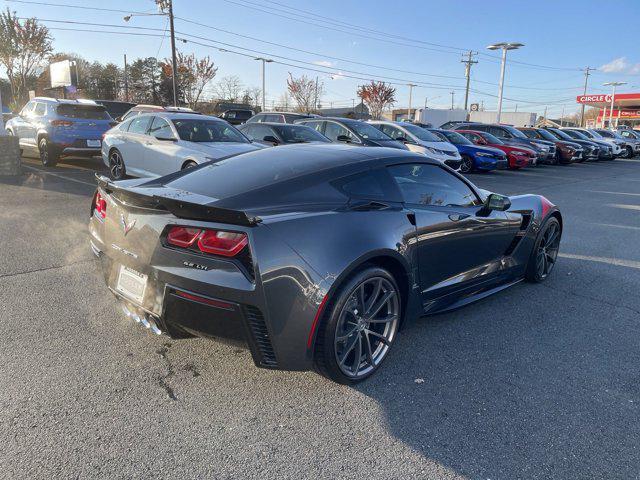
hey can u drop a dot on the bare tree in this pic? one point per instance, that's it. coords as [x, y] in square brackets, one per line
[229, 88]
[193, 75]
[252, 96]
[377, 96]
[305, 92]
[23, 48]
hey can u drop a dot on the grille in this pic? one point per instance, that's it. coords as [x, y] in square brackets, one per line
[261, 336]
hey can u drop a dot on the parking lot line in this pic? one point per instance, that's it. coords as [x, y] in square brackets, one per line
[58, 175]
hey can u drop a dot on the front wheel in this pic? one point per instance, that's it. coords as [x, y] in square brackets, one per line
[359, 326]
[467, 164]
[48, 155]
[545, 251]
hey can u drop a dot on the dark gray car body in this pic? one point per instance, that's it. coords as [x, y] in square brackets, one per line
[306, 235]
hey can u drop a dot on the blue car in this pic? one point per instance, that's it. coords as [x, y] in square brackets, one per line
[473, 156]
[56, 128]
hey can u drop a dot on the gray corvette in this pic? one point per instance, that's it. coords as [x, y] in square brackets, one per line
[314, 256]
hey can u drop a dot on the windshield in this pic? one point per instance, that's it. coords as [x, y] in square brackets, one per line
[367, 131]
[455, 138]
[492, 139]
[87, 112]
[576, 135]
[547, 135]
[514, 131]
[207, 131]
[420, 133]
[299, 134]
[561, 134]
[593, 134]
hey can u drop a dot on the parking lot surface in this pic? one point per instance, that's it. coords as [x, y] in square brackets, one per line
[538, 381]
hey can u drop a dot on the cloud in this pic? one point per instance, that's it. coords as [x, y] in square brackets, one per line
[635, 69]
[616, 65]
[337, 76]
[324, 63]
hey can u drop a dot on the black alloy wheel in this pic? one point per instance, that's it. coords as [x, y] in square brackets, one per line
[117, 169]
[466, 165]
[360, 326]
[189, 164]
[48, 156]
[545, 252]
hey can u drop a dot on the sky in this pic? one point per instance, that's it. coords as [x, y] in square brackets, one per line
[412, 41]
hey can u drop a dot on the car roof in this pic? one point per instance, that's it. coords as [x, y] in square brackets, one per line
[275, 124]
[181, 116]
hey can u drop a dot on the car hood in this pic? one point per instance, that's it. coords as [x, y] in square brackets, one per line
[516, 148]
[444, 146]
[477, 149]
[222, 149]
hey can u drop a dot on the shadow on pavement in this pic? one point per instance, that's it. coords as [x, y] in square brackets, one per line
[532, 383]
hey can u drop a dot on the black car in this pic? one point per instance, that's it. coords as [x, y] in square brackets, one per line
[512, 136]
[116, 108]
[237, 116]
[591, 150]
[451, 125]
[606, 150]
[354, 132]
[566, 152]
[314, 255]
[273, 134]
[278, 117]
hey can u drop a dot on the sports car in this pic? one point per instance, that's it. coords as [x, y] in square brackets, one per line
[314, 256]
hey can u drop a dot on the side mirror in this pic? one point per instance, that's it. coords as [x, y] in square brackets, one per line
[271, 139]
[402, 139]
[497, 202]
[343, 138]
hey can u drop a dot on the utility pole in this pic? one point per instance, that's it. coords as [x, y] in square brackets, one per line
[562, 117]
[126, 79]
[545, 115]
[174, 61]
[452, 96]
[467, 73]
[410, 85]
[315, 101]
[2, 130]
[586, 79]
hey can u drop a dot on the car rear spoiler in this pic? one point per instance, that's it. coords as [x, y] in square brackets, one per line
[181, 208]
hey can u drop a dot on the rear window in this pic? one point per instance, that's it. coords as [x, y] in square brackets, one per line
[88, 112]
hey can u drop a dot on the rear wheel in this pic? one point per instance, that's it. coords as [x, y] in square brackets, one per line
[545, 251]
[467, 164]
[359, 327]
[629, 152]
[117, 169]
[48, 155]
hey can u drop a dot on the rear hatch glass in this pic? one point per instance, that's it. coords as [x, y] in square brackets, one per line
[83, 112]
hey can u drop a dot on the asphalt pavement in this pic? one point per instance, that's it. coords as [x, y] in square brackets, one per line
[538, 381]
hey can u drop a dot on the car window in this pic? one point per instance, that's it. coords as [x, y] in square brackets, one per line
[473, 137]
[530, 133]
[40, 109]
[27, 108]
[334, 130]
[299, 134]
[204, 130]
[316, 125]
[606, 134]
[139, 125]
[366, 131]
[272, 118]
[420, 133]
[498, 132]
[258, 132]
[86, 112]
[160, 128]
[369, 185]
[430, 185]
[292, 118]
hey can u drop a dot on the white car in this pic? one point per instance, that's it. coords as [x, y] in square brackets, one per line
[592, 134]
[156, 144]
[419, 140]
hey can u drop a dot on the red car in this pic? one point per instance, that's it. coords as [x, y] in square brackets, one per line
[518, 157]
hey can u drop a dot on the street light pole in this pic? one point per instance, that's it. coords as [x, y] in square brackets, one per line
[268, 60]
[504, 47]
[613, 97]
[410, 85]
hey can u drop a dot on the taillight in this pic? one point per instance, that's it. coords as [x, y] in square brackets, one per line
[215, 242]
[101, 206]
[61, 123]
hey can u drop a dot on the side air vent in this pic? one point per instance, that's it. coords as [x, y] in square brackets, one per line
[526, 221]
[261, 336]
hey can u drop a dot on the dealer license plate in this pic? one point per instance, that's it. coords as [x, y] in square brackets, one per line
[131, 284]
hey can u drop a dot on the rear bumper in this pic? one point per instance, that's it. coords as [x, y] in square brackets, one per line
[80, 152]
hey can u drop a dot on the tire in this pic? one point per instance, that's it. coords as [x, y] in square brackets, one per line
[189, 164]
[629, 153]
[545, 251]
[341, 352]
[117, 168]
[467, 164]
[48, 155]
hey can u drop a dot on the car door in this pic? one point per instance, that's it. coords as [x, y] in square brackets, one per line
[35, 121]
[132, 147]
[460, 246]
[20, 122]
[333, 130]
[161, 148]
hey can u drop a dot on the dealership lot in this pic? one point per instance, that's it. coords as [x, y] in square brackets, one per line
[538, 381]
